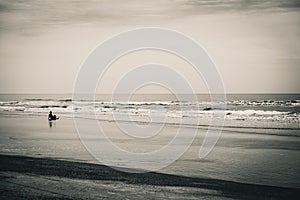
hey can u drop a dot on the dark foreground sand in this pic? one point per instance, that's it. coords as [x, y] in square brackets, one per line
[46, 178]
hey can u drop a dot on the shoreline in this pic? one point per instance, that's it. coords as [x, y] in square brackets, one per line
[204, 127]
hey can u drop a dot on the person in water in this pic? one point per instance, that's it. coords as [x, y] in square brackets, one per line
[52, 117]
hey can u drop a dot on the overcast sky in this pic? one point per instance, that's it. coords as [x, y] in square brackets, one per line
[255, 44]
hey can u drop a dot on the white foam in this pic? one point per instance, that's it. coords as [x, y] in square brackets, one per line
[169, 109]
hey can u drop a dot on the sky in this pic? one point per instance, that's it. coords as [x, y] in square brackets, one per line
[254, 44]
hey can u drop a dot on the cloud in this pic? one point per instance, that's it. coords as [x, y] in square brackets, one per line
[242, 5]
[32, 15]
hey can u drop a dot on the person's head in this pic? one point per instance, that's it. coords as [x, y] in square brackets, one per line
[50, 112]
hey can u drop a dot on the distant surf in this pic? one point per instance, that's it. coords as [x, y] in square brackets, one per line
[264, 111]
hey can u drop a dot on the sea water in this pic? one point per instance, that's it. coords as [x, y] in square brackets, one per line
[267, 111]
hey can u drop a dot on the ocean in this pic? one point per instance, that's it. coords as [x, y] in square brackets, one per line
[266, 111]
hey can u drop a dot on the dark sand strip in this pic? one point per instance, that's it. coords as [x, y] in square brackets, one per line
[50, 178]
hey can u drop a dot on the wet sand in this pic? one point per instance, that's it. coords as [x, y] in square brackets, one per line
[38, 178]
[41, 162]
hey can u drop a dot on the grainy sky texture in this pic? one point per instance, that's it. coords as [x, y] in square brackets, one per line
[255, 44]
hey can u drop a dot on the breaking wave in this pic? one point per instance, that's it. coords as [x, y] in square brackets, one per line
[269, 110]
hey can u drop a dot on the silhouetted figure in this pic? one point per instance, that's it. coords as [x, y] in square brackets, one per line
[52, 117]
